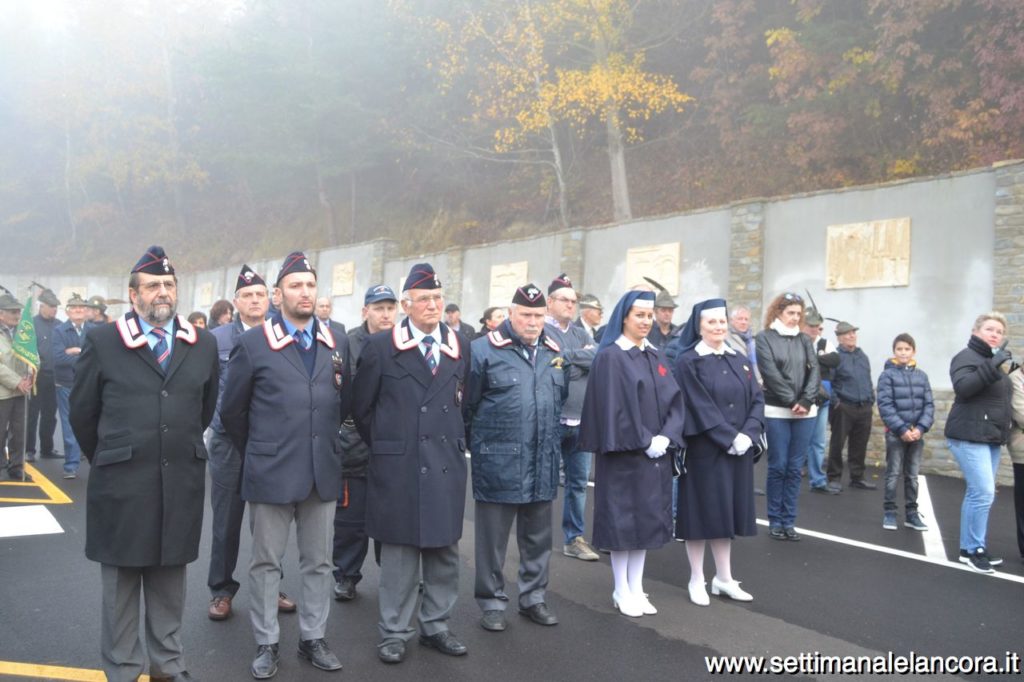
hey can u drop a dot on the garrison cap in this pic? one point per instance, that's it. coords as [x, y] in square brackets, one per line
[295, 261]
[529, 296]
[247, 278]
[422, 276]
[154, 262]
[560, 282]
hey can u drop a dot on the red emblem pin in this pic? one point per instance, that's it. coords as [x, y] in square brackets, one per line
[661, 369]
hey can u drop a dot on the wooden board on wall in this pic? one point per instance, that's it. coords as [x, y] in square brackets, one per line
[870, 254]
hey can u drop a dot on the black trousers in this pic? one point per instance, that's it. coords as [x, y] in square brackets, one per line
[849, 423]
[12, 425]
[1018, 504]
[350, 540]
[42, 415]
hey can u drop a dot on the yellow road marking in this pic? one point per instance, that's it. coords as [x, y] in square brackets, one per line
[54, 495]
[55, 672]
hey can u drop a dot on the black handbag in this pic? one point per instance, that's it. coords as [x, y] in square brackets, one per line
[760, 447]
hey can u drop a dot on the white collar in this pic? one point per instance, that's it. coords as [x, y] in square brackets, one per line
[783, 329]
[418, 334]
[704, 349]
[625, 344]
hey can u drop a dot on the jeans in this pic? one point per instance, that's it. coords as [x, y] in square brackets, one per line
[72, 453]
[978, 462]
[576, 465]
[788, 441]
[816, 452]
[905, 458]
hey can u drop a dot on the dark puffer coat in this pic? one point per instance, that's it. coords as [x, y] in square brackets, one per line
[905, 398]
[981, 408]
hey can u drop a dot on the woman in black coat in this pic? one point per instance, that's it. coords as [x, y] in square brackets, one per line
[632, 416]
[724, 418]
[978, 424]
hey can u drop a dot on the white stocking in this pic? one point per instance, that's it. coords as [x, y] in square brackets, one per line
[620, 571]
[695, 553]
[721, 549]
[636, 571]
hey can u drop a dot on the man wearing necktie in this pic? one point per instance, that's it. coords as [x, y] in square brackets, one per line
[140, 423]
[286, 394]
[408, 407]
[67, 348]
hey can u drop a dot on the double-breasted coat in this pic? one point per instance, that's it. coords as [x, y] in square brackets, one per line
[413, 422]
[283, 418]
[142, 431]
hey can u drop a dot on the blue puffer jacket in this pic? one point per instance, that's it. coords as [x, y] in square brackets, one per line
[905, 398]
[514, 407]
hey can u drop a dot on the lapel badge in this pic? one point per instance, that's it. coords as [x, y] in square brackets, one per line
[337, 364]
[557, 362]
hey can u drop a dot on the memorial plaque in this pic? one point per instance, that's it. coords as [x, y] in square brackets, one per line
[871, 254]
[343, 277]
[505, 279]
[660, 262]
[204, 295]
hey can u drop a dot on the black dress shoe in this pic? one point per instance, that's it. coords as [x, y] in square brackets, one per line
[51, 455]
[834, 488]
[445, 642]
[493, 621]
[540, 614]
[391, 651]
[791, 534]
[777, 534]
[264, 666]
[345, 590]
[863, 485]
[319, 654]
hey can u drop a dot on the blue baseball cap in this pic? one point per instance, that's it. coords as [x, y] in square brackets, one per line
[380, 292]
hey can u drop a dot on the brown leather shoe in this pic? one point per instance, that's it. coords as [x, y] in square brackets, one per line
[220, 608]
[284, 604]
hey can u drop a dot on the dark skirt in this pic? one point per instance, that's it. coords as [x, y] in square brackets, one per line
[632, 501]
[716, 495]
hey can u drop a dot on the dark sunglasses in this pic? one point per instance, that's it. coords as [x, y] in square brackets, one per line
[792, 297]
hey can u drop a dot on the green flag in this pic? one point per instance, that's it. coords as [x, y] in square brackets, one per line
[25, 338]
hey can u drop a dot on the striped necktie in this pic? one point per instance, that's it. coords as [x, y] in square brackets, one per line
[428, 353]
[161, 349]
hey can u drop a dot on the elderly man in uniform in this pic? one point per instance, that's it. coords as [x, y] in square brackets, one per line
[66, 347]
[591, 313]
[42, 408]
[516, 391]
[15, 384]
[350, 540]
[145, 389]
[251, 302]
[284, 400]
[578, 351]
[853, 395]
[409, 394]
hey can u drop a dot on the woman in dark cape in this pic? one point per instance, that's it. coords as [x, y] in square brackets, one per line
[632, 416]
[724, 418]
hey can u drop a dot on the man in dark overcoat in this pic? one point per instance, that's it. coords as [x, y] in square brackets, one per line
[408, 406]
[251, 302]
[517, 386]
[144, 390]
[284, 400]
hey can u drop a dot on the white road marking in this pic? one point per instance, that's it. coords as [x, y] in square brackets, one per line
[899, 552]
[932, 537]
[34, 519]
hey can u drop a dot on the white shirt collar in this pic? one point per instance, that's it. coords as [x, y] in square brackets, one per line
[625, 344]
[418, 334]
[704, 349]
[783, 329]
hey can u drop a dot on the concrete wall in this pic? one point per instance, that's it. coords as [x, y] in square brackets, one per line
[543, 254]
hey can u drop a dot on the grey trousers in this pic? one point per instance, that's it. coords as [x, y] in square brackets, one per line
[399, 581]
[493, 524]
[314, 531]
[163, 590]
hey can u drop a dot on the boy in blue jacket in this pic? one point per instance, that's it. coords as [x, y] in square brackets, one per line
[906, 406]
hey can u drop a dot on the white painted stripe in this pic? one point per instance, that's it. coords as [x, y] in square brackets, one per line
[900, 553]
[933, 546]
[33, 519]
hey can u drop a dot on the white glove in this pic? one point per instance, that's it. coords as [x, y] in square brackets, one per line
[658, 446]
[740, 444]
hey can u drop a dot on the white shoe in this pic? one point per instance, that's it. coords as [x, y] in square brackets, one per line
[698, 595]
[627, 606]
[731, 589]
[646, 605]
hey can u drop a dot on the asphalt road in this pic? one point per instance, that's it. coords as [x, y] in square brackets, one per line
[840, 594]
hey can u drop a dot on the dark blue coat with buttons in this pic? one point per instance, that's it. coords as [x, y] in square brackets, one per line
[413, 422]
[514, 408]
[283, 418]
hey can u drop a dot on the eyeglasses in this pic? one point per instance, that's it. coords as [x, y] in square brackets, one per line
[153, 287]
[427, 299]
[563, 299]
[792, 297]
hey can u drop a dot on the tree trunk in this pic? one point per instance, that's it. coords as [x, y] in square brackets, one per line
[332, 236]
[617, 159]
[172, 126]
[563, 194]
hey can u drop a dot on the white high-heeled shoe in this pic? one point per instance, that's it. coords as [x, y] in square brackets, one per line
[627, 605]
[698, 595]
[731, 589]
[646, 605]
